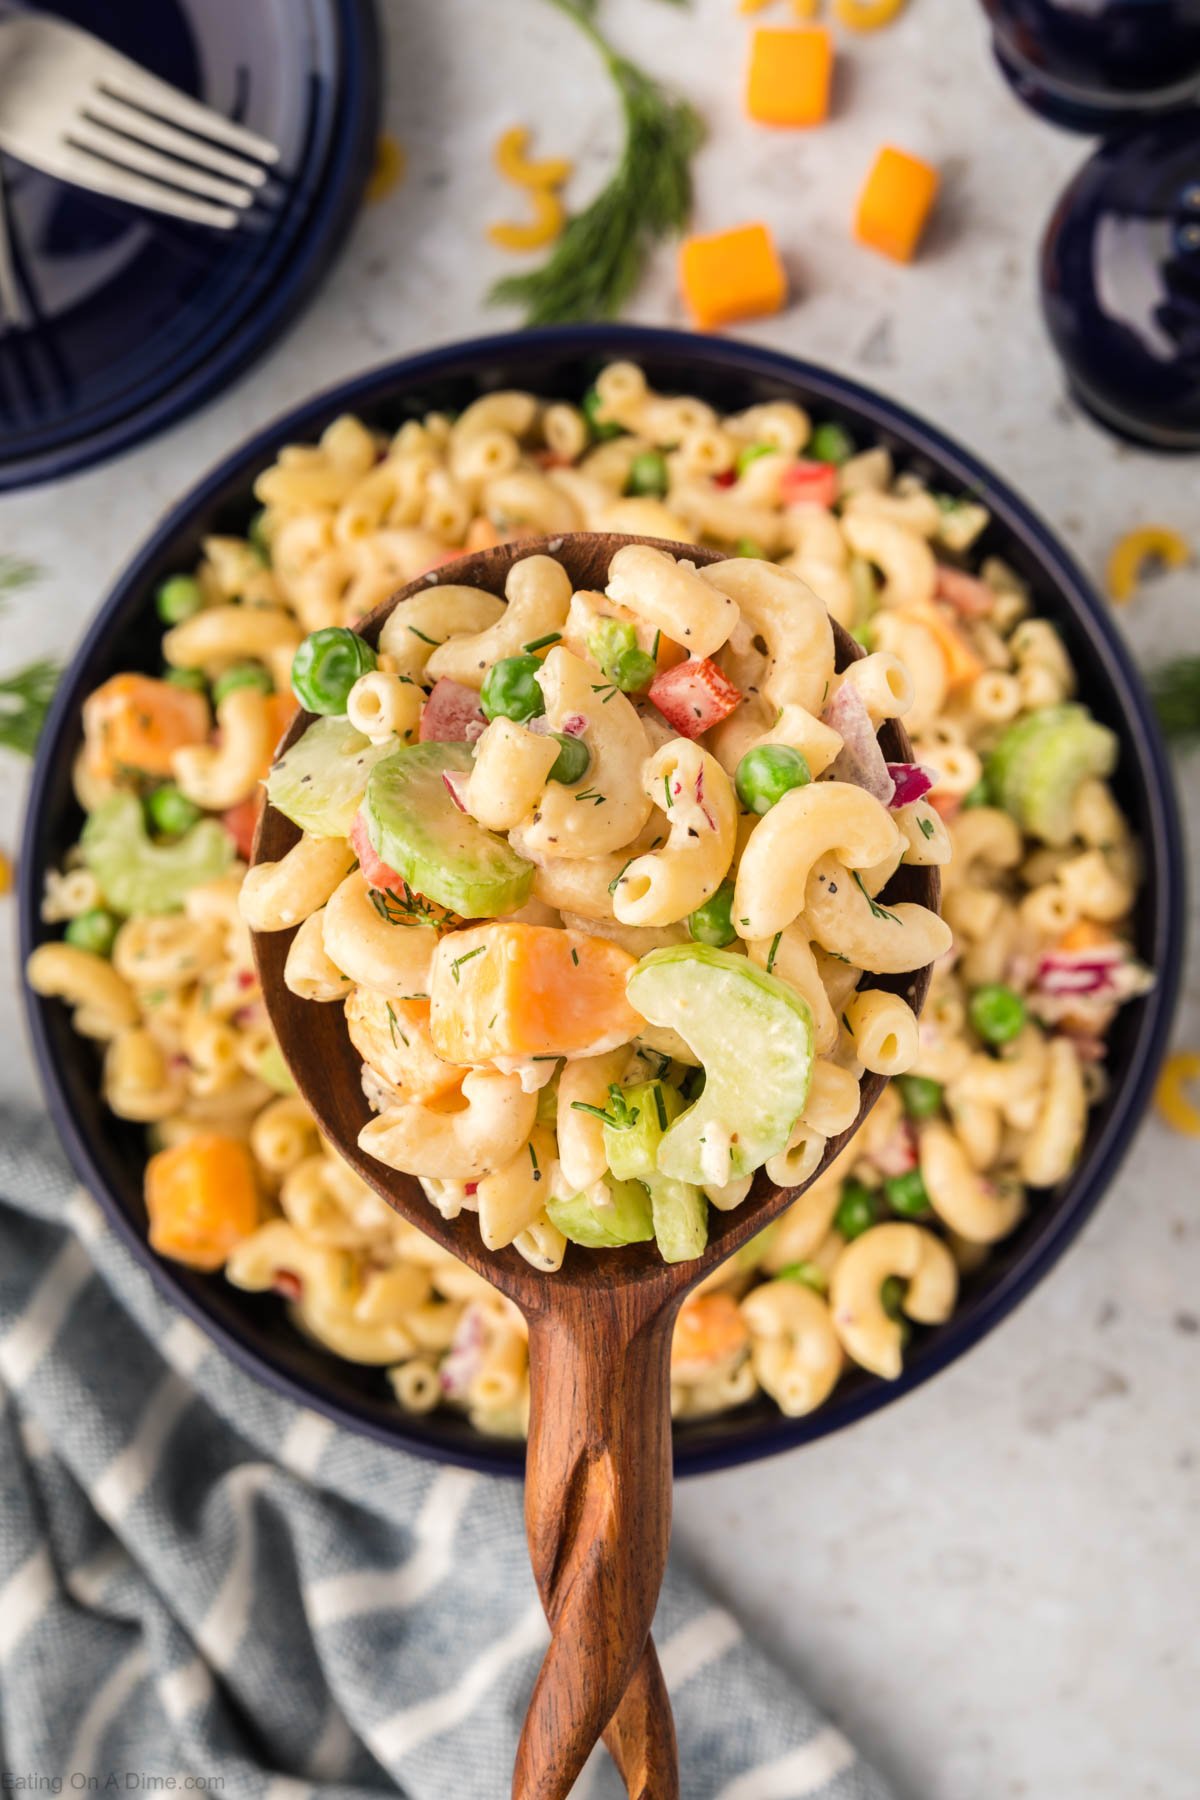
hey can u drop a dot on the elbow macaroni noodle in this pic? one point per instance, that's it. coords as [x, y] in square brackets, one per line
[186, 1047]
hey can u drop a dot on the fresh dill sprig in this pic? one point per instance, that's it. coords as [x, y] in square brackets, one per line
[15, 573]
[1176, 690]
[24, 702]
[596, 263]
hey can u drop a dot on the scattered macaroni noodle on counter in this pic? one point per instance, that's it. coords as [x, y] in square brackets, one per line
[699, 702]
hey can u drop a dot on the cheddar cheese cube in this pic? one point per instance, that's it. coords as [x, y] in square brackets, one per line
[790, 75]
[392, 1035]
[731, 275]
[524, 991]
[895, 203]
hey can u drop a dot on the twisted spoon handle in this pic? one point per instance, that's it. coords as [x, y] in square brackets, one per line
[598, 1518]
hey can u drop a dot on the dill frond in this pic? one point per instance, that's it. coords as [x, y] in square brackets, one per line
[596, 263]
[24, 702]
[1176, 691]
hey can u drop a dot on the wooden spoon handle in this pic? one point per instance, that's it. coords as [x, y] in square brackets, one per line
[598, 1517]
[641, 1734]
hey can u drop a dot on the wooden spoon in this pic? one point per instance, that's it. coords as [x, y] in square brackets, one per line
[598, 1468]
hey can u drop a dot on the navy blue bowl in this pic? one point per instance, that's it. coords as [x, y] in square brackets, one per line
[109, 1155]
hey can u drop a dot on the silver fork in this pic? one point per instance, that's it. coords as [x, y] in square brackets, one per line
[74, 108]
[12, 310]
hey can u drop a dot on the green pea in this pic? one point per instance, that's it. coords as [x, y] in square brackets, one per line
[978, 795]
[326, 667]
[634, 670]
[573, 761]
[258, 537]
[93, 930]
[245, 674]
[748, 547]
[712, 923]
[767, 773]
[194, 680]
[830, 443]
[613, 643]
[600, 429]
[170, 811]
[997, 1013]
[178, 599]
[510, 689]
[648, 474]
[864, 634]
[863, 586]
[906, 1195]
[857, 1210]
[751, 454]
[922, 1098]
[808, 1274]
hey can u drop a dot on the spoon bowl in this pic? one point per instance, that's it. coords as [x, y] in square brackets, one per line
[598, 1470]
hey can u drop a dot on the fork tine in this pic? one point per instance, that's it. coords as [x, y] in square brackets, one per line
[142, 89]
[145, 130]
[74, 164]
[121, 150]
[11, 307]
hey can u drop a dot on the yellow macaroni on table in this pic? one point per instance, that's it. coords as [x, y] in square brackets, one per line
[1010, 797]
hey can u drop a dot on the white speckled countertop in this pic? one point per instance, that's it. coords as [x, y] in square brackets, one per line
[992, 1586]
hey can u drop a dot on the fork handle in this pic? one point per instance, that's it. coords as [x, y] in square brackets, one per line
[598, 1518]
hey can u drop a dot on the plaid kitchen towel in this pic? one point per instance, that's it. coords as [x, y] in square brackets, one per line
[205, 1587]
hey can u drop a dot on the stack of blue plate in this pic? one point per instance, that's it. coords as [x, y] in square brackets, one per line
[137, 319]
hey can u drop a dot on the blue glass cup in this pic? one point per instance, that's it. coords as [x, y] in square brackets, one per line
[1097, 65]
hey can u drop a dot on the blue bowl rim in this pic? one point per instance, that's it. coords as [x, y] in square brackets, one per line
[1161, 833]
[350, 160]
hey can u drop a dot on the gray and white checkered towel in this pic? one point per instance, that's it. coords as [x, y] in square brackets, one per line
[206, 1587]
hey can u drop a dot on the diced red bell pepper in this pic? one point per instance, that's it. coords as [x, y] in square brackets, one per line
[694, 696]
[376, 872]
[725, 479]
[241, 822]
[947, 805]
[973, 598]
[807, 483]
[451, 715]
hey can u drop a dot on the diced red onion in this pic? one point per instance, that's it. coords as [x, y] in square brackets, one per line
[575, 724]
[1093, 974]
[456, 786]
[860, 761]
[897, 1155]
[969, 596]
[464, 1358]
[710, 821]
[912, 782]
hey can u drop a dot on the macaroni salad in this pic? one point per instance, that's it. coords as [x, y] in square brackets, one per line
[709, 692]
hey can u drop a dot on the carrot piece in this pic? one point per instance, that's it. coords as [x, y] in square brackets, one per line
[241, 822]
[1085, 934]
[201, 1199]
[135, 723]
[481, 534]
[962, 664]
[790, 74]
[895, 203]
[709, 1333]
[731, 275]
